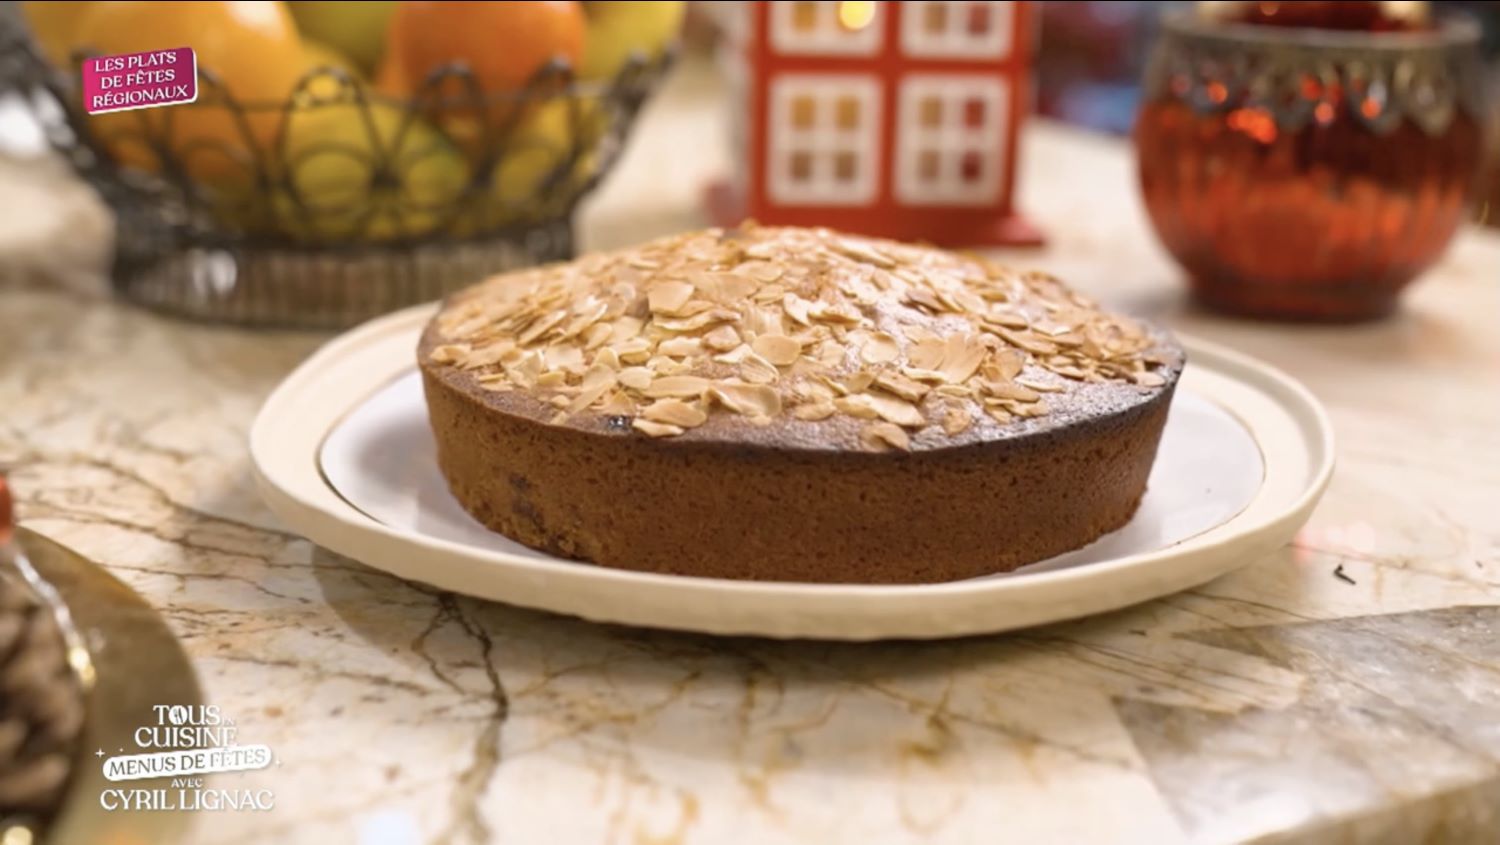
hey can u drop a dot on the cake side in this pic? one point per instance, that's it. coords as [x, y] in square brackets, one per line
[746, 511]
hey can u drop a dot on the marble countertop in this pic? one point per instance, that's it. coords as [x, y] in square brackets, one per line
[1345, 687]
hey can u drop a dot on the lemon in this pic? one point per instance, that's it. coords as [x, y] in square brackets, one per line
[357, 29]
[533, 179]
[365, 172]
[618, 30]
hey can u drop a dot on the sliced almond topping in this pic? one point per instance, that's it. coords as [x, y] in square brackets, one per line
[726, 288]
[699, 320]
[487, 355]
[780, 350]
[962, 355]
[677, 386]
[625, 328]
[654, 428]
[1039, 386]
[617, 404]
[722, 339]
[769, 294]
[927, 354]
[541, 326]
[669, 297]
[859, 382]
[863, 251]
[680, 347]
[527, 368]
[599, 375]
[856, 405]
[956, 420]
[833, 313]
[757, 370]
[633, 351]
[636, 378]
[607, 357]
[925, 299]
[814, 411]
[449, 353]
[596, 383]
[1009, 363]
[918, 334]
[932, 376]
[830, 353]
[752, 400]
[883, 436]
[586, 316]
[796, 307]
[794, 314]
[761, 271]
[1011, 390]
[664, 366]
[898, 411]
[1024, 340]
[908, 389]
[880, 348]
[813, 391]
[562, 356]
[735, 355]
[597, 335]
[1006, 319]
[676, 412]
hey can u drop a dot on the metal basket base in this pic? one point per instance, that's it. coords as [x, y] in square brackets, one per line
[321, 288]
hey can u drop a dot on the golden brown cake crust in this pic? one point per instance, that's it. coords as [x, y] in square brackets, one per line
[1061, 413]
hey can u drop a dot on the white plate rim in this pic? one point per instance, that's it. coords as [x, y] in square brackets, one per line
[295, 419]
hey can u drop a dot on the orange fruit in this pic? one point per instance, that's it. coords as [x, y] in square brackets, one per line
[390, 74]
[251, 46]
[53, 26]
[503, 43]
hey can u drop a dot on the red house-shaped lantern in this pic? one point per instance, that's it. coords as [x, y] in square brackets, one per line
[896, 119]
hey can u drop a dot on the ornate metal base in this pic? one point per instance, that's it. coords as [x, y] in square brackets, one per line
[318, 288]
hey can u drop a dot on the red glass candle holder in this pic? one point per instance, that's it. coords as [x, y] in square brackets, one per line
[1306, 173]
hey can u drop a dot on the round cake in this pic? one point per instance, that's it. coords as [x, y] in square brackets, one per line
[794, 404]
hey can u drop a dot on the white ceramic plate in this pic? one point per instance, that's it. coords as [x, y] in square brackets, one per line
[343, 455]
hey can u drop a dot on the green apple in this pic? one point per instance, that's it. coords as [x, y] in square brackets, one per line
[618, 30]
[356, 29]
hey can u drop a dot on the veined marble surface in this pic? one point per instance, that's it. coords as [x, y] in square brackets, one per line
[1345, 688]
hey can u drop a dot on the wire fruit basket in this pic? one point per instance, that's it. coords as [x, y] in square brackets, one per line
[341, 202]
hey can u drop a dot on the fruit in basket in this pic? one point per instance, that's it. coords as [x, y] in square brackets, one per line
[390, 77]
[365, 172]
[54, 26]
[544, 163]
[619, 30]
[315, 82]
[355, 29]
[253, 49]
[502, 43]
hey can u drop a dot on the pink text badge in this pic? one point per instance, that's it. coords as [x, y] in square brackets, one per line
[140, 80]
